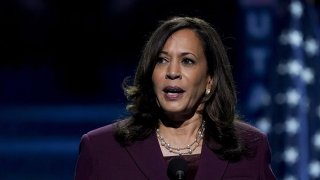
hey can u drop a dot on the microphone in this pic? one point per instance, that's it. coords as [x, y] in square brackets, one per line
[177, 168]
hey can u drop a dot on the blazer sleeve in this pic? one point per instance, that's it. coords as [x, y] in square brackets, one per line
[84, 166]
[266, 170]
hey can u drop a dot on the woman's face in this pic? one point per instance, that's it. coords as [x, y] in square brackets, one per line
[180, 76]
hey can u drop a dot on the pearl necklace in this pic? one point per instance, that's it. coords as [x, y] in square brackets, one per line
[187, 149]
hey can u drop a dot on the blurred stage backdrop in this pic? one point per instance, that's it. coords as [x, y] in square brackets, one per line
[62, 64]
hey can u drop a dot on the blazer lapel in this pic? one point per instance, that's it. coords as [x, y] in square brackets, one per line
[210, 166]
[148, 157]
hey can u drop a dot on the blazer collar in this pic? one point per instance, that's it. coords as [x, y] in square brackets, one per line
[148, 157]
[210, 166]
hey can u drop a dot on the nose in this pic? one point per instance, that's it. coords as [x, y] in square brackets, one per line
[173, 71]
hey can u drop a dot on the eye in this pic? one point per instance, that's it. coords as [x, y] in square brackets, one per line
[162, 60]
[188, 61]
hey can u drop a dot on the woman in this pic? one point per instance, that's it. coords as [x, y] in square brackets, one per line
[182, 104]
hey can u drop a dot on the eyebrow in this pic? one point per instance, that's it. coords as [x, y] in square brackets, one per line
[183, 54]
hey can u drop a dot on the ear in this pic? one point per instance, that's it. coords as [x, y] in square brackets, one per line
[209, 82]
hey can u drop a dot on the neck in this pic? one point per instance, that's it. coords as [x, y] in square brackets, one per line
[180, 135]
[180, 129]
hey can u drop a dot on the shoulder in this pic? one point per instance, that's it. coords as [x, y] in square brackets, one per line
[102, 137]
[98, 152]
[257, 155]
[253, 139]
[103, 131]
[248, 132]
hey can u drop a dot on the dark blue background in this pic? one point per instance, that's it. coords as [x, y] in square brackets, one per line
[62, 64]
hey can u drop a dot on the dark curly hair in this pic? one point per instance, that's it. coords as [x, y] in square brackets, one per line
[219, 106]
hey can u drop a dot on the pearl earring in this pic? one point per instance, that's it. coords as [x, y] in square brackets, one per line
[208, 91]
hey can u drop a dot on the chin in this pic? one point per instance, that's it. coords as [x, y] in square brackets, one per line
[174, 110]
[171, 110]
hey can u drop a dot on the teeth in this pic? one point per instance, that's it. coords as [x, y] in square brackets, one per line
[173, 90]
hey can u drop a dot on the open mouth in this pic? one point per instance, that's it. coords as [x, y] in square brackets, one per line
[173, 93]
[173, 89]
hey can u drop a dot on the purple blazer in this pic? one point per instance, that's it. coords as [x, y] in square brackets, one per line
[101, 157]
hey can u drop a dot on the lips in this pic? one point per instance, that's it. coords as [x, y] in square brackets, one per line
[173, 92]
[173, 89]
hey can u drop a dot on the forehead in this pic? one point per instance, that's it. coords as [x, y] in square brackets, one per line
[186, 38]
[185, 33]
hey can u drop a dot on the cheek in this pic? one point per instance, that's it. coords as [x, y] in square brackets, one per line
[198, 81]
[156, 80]
[200, 86]
[154, 77]
[158, 74]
